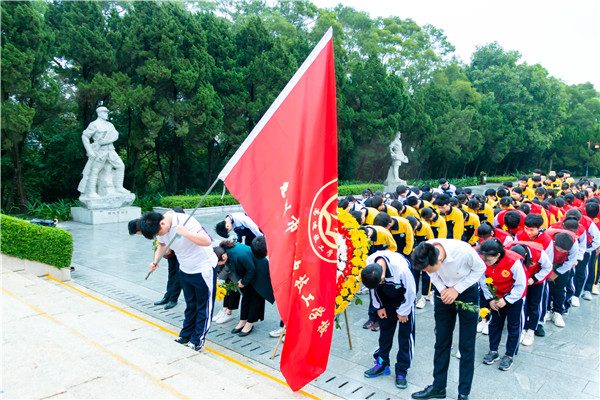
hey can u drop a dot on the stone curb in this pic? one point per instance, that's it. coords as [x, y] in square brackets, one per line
[35, 267]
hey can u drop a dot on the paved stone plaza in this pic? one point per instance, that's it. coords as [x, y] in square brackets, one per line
[564, 364]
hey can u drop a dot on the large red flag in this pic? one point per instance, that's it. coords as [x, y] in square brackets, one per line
[285, 177]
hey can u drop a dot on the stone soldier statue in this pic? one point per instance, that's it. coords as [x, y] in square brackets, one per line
[398, 157]
[104, 171]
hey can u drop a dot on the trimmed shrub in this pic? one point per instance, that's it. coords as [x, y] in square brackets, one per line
[501, 179]
[191, 201]
[356, 189]
[22, 239]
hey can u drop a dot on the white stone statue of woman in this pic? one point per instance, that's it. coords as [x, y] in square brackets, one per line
[398, 157]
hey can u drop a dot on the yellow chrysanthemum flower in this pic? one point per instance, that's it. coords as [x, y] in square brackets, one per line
[338, 300]
[489, 281]
[344, 292]
[484, 312]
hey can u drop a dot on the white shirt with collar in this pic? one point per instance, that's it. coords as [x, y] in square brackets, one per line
[461, 268]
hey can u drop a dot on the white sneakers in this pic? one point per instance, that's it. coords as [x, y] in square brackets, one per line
[219, 315]
[558, 320]
[548, 316]
[575, 301]
[527, 338]
[482, 324]
[595, 290]
[362, 290]
[276, 333]
[222, 317]
[421, 302]
[586, 296]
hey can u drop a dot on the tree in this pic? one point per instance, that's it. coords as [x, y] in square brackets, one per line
[531, 103]
[377, 99]
[29, 91]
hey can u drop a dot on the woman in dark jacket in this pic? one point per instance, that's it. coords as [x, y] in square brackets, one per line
[253, 279]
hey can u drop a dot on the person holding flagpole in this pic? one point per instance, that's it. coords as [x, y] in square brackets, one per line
[197, 269]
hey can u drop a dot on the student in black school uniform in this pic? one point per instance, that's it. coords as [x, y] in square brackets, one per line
[381, 239]
[392, 291]
[454, 268]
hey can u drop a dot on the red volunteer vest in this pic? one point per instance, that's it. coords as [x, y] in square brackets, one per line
[501, 273]
[501, 215]
[560, 258]
[536, 250]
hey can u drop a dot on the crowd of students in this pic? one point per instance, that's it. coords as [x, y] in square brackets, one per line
[537, 244]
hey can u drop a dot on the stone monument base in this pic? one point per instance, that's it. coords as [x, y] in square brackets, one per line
[105, 216]
[108, 201]
[390, 186]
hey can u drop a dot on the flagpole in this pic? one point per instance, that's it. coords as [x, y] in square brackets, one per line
[187, 219]
[278, 342]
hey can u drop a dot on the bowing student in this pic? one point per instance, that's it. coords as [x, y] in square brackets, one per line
[505, 270]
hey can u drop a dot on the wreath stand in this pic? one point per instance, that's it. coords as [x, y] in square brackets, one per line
[348, 329]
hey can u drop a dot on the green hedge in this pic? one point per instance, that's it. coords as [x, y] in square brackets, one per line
[190, 201]
[345, 190]
[22, 239]
[501, 179]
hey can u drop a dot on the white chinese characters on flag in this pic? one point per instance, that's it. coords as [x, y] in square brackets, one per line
[285, 177]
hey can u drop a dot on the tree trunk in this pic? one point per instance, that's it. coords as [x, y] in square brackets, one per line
[160, 167]
[475, 173]
[211, 154]
[17, 185]
[360, 167]
[175, 165]
[134, 169]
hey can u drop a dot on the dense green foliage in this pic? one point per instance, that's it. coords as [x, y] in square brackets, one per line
[356, 189]
[60, 209]
[19, 238]
[191, 201]
[187, 82]
[502, 179]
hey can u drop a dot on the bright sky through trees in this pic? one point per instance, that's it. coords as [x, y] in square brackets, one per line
[562, 36]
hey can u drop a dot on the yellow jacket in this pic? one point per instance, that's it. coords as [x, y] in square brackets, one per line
[455, 223]
[403, 234]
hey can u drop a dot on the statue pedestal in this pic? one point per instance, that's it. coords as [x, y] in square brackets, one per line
[391, 185]
[108, 202]
[105, 216]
